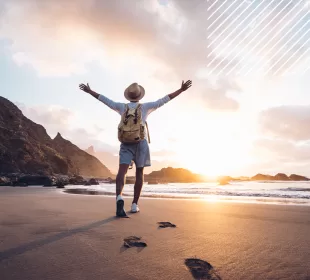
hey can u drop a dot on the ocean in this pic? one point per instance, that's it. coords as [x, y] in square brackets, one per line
[271, 192]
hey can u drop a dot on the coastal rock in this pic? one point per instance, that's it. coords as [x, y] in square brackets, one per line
[224, 180]
[19, 185]
[295, 177]
[173, 175]
[281, 177]
[33, 180]
[60, 185]
[76, 180]
[261, 177]
[5, 181]
[151, 181]
[130, 180]
[61, 182]
[25, 147]
[93, 182]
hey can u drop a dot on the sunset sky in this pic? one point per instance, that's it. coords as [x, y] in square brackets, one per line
[248, 110]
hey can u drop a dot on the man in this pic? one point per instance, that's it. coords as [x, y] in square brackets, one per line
[139, 152]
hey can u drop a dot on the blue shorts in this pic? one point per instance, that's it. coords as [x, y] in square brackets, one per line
[139, 153]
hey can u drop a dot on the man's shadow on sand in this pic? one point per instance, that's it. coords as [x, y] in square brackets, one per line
[7, 254]
[201, 269]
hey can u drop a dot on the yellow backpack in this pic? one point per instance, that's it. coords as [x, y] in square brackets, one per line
[131, 128]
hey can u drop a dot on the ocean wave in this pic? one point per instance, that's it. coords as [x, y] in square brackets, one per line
[296, 189]
[89, 191]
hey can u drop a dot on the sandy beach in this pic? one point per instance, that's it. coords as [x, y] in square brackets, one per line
[47, 234]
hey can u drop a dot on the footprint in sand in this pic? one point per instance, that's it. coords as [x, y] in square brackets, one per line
[134, 241]
[201, 269]
[166, 224]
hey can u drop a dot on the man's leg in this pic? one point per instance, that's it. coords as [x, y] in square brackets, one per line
[120, 178]
[141, 159]
[138, 184]
[120, 182]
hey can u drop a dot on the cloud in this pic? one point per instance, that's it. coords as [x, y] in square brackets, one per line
[52, 115]
[58, 119]
[282, 150]
[167, 40]
[275, 155]
[213, 97]
[286, 122]
[170, 40]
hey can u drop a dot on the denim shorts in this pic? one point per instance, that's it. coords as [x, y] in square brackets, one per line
[139, 153]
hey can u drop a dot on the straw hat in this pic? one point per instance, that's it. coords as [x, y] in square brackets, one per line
[134, 92]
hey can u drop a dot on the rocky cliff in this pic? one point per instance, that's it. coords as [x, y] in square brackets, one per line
[86, 164]
[25, 147]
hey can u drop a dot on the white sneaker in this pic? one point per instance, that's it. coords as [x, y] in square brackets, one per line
[134, 208]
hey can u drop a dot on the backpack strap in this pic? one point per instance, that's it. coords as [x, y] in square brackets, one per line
[126, 114]
[136, 113]
[126, 109]
[148, 133]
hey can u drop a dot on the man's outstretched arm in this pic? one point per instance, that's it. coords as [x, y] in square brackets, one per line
[116, 106]
[152, 106]
[183, 87]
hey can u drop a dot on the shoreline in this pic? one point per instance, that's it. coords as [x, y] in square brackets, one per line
[244, 199]
[210, 198]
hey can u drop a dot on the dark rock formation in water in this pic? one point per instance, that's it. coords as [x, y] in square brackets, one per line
[279, 177]
[93, 182]
[173, 175]
[295, 177]
[25, 147]
[5, 181]
[33, 180]
[261, 177]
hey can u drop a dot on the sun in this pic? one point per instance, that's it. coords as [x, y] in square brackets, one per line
[215, 155]
[215, 163]
[213, 144]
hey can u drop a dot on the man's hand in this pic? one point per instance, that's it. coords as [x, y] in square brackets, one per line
[85, 88]
[186, 85]
[183, 87]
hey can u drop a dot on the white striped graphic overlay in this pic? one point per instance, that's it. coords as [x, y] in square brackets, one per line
[265, 37]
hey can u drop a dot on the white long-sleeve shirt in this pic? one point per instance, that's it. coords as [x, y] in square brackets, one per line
[146, 108]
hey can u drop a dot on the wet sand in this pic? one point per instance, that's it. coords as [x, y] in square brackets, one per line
[47, 234]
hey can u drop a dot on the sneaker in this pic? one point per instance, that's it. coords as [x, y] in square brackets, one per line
[134, 208]
[120, 212]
